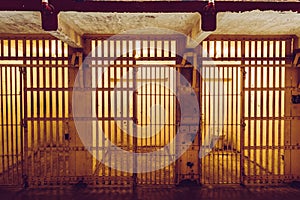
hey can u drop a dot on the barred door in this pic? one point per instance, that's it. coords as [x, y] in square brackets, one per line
[11, 129]
[243, 109]
[126, 82]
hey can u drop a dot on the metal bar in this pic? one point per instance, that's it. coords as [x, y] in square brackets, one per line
[23, 113]
[37, 107]
[109, 107]
[249, 112]
[279, 108]
[103, 107]
[155, 102]
[18, 118]
[6, 88]
[267, 104]
[127, 109]
[95, 48]
[31, 165]
[261, 109]
[233, 115]
[237, 121]
[242, 122]
[115, 102]
[170, 111]
[135, 121]
[2, 122]
[45, 93]
[254, 48]
[273, 104]
[57, 108]
[226, 159]
[11, 142]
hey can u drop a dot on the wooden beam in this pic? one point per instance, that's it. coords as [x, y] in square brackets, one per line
[67, 34]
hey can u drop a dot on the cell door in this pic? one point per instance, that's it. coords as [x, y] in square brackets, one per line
[243, 109]
[11, 130]
[134, 108]
[156, 119]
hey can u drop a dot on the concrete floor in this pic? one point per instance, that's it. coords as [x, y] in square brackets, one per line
[180, 193]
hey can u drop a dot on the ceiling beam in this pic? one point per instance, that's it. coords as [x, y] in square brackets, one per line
[147, 6]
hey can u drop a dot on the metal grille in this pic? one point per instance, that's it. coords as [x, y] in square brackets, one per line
[264, 111]
[11, 135]
[246, 84]
[30, 115]
[245, 122]
[124, 64]
[46, 111]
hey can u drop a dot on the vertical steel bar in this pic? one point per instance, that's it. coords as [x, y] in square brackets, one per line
[268, 101]
[273, 108]
[225, 160]
[38, 106]
[128, 139]
[57, 104]
[217, 96]
[116, 140]
[279, 48]
[237, 122]
[103, 70]
[249, 111]
[159, 117]
[164, 104]
[200, 93]
[135, 121]
[232, 117]
[210, 160]
[21, 118]
[108, 104]
[2, 121]
[16, 109]
[148, 102]
[11, 126]
[6, 88]
[242, 126]
[24, 137]
[261, 106]
[168, 122]
[253, 48]
[63, 112]
[162, 72]
[2, 48]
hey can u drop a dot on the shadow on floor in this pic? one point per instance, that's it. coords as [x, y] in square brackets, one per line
[156, 193]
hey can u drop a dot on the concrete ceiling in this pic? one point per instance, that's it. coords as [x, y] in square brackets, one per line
[259, 23]
[246, 23]
[114, 23]
[254, 22]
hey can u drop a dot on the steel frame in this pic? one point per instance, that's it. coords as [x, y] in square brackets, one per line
[54, 157]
